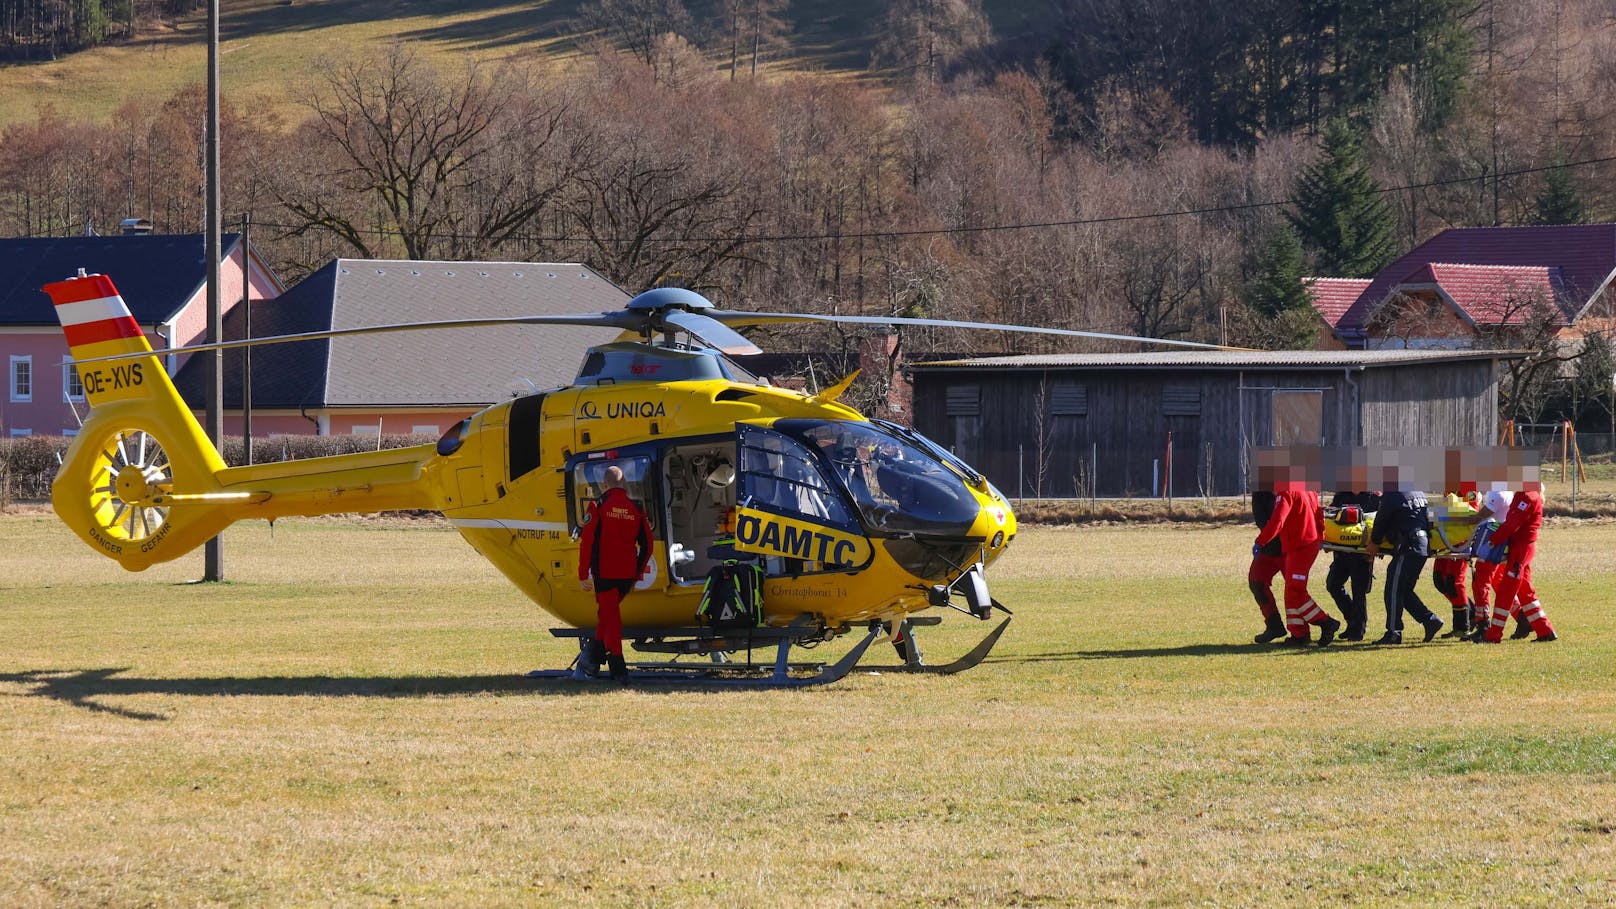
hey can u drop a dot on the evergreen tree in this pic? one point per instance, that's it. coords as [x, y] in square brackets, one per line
[1560, 201]
[1277, 294]
[1340, 213]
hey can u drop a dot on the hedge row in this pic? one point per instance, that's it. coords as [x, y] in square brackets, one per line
[28, 463]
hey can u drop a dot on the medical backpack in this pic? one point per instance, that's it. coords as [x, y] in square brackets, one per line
[733, 596]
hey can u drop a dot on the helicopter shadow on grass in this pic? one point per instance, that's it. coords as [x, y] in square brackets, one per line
[84, 688]
[1182, 650]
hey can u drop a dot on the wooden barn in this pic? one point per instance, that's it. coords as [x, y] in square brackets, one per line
[1121, 424]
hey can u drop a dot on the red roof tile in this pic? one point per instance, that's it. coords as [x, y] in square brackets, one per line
[1334, 296]
[1583, 255]
[1495, 294]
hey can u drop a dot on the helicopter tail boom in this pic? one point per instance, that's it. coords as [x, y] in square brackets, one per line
[143, 484]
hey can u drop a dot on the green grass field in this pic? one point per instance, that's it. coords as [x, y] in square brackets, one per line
[344, 724]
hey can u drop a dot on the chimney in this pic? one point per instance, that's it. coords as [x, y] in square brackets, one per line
[135, 227]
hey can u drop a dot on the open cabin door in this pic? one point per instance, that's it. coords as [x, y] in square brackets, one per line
[789, 512]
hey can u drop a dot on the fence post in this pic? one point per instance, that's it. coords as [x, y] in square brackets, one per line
[1094, 475]
[1167, 487]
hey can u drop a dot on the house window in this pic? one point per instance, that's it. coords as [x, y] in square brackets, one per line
[72, 388]
[361, 429]
[16, 433]
[425, 429]
[69, 433]
[22, 379]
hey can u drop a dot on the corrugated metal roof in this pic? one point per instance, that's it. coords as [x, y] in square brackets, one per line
[1225, 359]
[156, 274]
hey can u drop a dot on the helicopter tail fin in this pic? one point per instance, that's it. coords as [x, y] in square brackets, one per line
[137, 481]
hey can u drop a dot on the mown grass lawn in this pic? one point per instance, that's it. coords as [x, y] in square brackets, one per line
[344, 724]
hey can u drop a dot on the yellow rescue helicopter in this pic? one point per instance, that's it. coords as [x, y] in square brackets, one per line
[857, 524]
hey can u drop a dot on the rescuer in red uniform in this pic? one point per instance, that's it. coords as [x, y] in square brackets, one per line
[1266, 562]
[614, 548]
[1519, 534]
[1298, 523]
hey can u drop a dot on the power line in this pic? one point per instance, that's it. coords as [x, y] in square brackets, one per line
[981, 229]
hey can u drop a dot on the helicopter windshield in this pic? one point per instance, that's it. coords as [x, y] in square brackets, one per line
[897, 486]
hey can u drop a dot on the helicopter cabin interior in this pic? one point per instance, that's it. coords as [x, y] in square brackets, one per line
[687, 489]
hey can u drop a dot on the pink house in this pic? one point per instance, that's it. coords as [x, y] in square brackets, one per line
[161, 277]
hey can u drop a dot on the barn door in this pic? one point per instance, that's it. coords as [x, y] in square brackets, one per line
[1298, 417]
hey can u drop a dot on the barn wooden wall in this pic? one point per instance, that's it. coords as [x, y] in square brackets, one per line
[1124, 418]
[1443, 404]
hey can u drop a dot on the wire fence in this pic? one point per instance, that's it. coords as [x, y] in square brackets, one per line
[1573, 467]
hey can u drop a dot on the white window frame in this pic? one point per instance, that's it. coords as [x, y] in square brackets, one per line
[11, 378]
[363, 429]
[69, 376]
[425, 429]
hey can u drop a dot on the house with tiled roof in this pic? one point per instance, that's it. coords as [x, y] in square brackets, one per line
[405, 382]
[163, 280]
[1332, 297]
[1466, 286]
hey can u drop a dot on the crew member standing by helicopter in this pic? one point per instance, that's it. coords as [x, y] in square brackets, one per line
[614, 548]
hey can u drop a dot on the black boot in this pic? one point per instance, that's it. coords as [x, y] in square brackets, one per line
[1523, 628]
[1391, 637]
[1327, 631]
[1273, 632]
[618, 666]
[1461, 623]
[1432, 625]
[592, 657]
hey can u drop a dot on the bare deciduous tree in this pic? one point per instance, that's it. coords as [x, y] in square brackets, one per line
[441, 165]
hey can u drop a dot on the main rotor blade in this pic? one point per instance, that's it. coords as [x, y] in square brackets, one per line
[711, 332]
[623, 319]
[732, 317]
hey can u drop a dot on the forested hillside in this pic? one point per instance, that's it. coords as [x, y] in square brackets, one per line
[1162, 168]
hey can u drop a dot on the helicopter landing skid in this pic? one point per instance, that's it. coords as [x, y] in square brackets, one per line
[908, 647]
[722, 670]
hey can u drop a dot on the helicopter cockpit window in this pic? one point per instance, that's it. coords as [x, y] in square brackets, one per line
[588, 484]
[897, 486]
[782, 475]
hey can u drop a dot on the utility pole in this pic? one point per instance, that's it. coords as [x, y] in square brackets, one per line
[246, 352]
[213, 552]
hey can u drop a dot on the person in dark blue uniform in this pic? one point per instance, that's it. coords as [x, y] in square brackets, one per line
[1404, 523]
[1353, 568]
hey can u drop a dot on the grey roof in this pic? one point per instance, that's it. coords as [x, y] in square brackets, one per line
[461, 366]
[1224, 359]
[156, 274]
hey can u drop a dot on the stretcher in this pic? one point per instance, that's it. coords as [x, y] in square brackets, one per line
[1348, 528]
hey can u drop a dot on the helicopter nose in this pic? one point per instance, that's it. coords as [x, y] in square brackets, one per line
[995, 525]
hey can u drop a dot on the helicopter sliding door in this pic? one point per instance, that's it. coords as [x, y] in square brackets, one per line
[789, 511]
